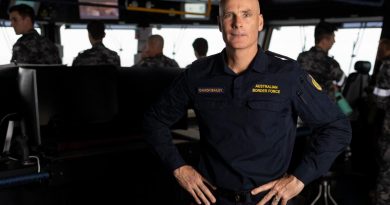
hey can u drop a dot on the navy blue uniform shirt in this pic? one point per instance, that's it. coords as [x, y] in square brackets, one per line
[247, 121]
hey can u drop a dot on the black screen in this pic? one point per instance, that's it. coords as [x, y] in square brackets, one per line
[27, 82]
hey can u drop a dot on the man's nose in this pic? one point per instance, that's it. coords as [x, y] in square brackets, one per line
[237, 22]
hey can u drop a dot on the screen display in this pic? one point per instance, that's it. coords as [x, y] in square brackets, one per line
[99, 12]
[196, 8]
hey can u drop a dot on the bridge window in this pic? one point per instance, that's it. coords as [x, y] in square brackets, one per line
[7, 40]
[178, 41]
[119, 38]
[352, 43]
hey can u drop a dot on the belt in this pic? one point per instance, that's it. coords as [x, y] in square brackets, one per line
[246, 196]
[238, 196]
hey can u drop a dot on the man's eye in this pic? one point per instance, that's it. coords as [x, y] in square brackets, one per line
[247, 14]
[227, 15]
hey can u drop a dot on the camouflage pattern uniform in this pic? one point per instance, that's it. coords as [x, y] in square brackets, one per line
[35, 49]
[324, 69]
[382, 98]
[158, 61]
[97, 55]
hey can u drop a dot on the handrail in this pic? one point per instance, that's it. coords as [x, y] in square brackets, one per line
[170, 11]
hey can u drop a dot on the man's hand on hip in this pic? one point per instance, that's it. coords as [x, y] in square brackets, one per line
[195, 184]
[284, 189]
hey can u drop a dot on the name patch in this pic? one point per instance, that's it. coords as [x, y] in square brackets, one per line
[265, 88]
[210, 90]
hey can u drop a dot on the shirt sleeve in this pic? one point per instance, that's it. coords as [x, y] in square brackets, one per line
[331, 128]
[163, 114]
[336, 73]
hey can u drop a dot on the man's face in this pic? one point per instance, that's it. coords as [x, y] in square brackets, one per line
[149, 50]
[240, 22]
[330, 40]
[20, 24]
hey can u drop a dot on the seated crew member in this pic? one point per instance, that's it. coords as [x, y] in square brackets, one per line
[326, 70]
[152, 54]
[31, 47]
[98, 54]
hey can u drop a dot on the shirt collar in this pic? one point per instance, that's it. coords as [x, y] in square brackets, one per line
[98, 44]
[258, 63]
[318, 49]
[31, 32]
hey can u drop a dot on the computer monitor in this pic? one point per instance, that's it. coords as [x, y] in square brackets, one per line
[27, 81]
[99, 12]
[194, 7]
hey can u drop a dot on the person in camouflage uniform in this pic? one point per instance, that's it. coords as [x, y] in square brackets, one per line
[382, 98]
[31, 47]
[98, 54]
[324, 69]
[152, 55]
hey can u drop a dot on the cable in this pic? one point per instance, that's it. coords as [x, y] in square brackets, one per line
[6, 116]
[38, 162]
[180, 35]
[303, 37]
[355, 43]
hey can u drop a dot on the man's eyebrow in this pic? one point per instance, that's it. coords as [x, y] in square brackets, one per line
[248, 11]
[241, 11]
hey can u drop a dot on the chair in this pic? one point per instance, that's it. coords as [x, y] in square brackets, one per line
[324, 190]
[356, 86]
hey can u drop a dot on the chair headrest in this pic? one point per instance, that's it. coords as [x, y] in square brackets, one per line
[363, 67]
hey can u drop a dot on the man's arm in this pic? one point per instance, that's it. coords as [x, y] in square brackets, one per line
[332, 135]
[161, 116]
[382, 88]
[337, 74]
[332, 131]
[170, 108]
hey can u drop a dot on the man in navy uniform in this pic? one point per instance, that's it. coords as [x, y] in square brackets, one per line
[31, 47]
[153, 56]
[326, 70]
[247, 102]
[98, 54]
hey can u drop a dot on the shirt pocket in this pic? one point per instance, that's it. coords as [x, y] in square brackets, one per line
[267, 118]
[269, 106]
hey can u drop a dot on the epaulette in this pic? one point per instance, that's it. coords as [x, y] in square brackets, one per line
[278, 55]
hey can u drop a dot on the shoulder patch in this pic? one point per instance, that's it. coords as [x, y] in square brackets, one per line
[282, 57]
[314, 82]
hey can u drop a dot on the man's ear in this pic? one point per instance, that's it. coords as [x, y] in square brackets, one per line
[261, 22]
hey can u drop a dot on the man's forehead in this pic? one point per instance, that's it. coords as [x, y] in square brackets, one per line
[14, 14]
[242, 6]
[239, 9]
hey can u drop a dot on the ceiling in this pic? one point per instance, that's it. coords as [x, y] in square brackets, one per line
[272, 10]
